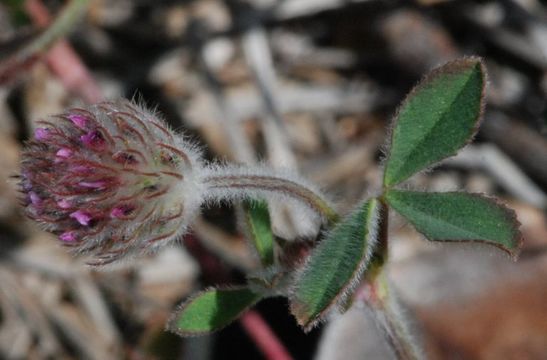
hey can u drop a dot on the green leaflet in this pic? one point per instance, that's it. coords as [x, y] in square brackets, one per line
[335, 265]
[257, 219]
[211, 310]
[437, 118]
[459, 216]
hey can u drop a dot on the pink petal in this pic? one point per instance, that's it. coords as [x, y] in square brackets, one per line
[41, 134]
[94, 139]
[64, 204]
[121, 211]
[68, 236]
[81, 169]
[117, 213]
[64, 153]
[99, 184]
[82, 217]
[34, 198]
[78, 120]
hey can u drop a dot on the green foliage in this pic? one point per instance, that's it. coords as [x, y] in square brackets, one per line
[211, 310]
[257, 219]
[437, 118]
[335, 265]
[458, 216]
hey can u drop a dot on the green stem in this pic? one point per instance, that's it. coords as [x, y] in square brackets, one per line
[225, 183]
[383, 301]
[388, 314]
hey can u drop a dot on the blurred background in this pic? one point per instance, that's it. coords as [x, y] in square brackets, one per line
[306, 84]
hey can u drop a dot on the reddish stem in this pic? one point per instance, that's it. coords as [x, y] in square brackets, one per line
[63, 60]
[264, 337]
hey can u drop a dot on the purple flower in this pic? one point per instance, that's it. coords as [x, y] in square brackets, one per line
[94, 139]
[64, 204]
[121, 211]
[110, 180]
[84, 218]
[41, 134]
[68, 236]
[79, 120]
[63, 153]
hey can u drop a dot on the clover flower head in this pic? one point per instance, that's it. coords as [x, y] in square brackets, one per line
[110, 180]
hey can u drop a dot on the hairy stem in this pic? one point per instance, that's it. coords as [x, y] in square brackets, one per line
[221, 185]
[378, 295]
[389, 316]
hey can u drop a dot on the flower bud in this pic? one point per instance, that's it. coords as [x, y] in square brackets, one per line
[110, 180]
